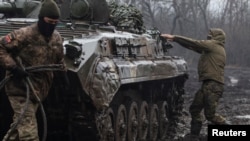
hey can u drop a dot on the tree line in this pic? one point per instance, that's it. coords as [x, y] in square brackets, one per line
[193, 18]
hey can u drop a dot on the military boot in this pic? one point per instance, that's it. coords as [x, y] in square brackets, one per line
[191, 137]
[219, 120]
[195, 131]
[196, 128]
[227, 122]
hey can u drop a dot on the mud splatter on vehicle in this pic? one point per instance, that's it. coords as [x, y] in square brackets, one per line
[124, 84]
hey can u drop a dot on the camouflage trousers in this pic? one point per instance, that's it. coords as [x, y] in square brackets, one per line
[27, 129]
[206, 98]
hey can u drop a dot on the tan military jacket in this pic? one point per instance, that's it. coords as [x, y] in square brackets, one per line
[213, 56]
[34, 50]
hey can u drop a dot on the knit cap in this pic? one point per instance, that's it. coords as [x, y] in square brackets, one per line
[49, 9]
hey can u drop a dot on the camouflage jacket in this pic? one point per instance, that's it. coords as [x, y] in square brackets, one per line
[34, 50]
[213, 56]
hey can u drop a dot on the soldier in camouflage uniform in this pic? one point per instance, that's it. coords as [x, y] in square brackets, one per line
[211, 73]
[35, 45]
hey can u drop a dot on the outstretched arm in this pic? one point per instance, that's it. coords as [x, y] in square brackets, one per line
[192, 44]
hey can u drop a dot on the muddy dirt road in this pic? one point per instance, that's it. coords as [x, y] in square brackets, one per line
[235, 103]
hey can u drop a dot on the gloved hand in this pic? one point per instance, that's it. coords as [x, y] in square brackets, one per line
[19, 72]
[65, 80]
[62, 79]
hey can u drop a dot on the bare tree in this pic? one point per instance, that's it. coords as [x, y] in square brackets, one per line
[193, 18]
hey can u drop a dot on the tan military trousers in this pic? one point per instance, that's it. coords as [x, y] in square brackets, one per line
[27, 128]
[206, 99]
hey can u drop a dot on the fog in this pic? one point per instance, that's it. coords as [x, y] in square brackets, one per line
[193, 18]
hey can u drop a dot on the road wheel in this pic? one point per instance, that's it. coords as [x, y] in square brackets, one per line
[153, 123]
[132, 121]
[121, 124]
[143, 121]
[110, 125]
[163, 120]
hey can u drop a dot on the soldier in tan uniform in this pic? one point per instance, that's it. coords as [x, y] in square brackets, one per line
[211, 73]
[35, 45]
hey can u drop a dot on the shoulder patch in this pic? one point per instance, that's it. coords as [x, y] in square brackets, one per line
[7, 39]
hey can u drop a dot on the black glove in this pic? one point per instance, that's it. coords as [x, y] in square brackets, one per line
[65, 80]
[19, 72]
[62, 79]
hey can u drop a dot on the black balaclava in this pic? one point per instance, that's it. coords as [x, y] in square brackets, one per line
[46, 29]
[48, 9]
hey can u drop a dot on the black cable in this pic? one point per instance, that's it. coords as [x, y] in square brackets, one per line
[4, 81]
[52, 67]
[44, 122]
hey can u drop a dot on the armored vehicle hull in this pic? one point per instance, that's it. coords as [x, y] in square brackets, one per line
[124, 86]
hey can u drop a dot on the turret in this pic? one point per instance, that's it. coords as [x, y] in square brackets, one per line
[94, 11]
[124, 84]
[18, 8]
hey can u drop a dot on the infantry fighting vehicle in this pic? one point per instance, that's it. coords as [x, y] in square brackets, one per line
[124, 83]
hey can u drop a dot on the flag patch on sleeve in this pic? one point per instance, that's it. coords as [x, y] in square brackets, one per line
[7, 39]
